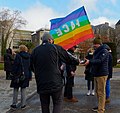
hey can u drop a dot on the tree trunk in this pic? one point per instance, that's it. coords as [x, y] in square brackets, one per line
[3, 46]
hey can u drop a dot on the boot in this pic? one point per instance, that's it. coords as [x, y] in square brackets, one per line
[71, 100]
[107, 100]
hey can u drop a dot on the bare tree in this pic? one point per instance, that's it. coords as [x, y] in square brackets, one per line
[9, 20]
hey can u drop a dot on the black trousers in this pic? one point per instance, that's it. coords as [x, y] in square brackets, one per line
[68, 91]
[89, 84]
[7, 75]
[57, 98]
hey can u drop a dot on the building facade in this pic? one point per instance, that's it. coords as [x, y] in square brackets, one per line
[117, 38]
[20, 36]
[109, 34]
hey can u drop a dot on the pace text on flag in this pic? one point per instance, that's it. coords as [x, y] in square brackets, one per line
[72, 29]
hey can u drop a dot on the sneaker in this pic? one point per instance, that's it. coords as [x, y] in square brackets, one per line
[93, 93]
[23, 107]
[95, 109]
[88, 93]
[13, 106]
[107, 101]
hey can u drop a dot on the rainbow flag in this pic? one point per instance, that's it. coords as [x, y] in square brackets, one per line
[72, 29]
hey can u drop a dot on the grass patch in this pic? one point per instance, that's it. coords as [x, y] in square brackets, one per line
[1, 66]
[117, 66]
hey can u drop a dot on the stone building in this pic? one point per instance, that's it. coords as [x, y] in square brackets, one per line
[117, 38]
[109, 34]
[106, 32]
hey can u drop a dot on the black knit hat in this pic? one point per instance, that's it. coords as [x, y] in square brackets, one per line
[97, 41]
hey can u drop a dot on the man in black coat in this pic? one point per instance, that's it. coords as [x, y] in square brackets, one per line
[45, 64]
[100, 71]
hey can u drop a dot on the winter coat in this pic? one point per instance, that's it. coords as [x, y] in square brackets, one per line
[88, 69]
[69, 68]
[21, 63]
[8, 62]
[45, 64]
[110, 66]
[100, 62]
[110, 61]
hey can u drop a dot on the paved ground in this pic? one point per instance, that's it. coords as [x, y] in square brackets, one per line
[83, 106]
[6, 92]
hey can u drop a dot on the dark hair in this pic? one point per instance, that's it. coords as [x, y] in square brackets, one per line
[9, 50]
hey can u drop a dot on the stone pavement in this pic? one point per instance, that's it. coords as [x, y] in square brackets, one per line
[6, 92]
[83, 106]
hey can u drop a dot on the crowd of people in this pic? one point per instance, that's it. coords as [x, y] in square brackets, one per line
[49, 62]
[18, 66]
[101, 69]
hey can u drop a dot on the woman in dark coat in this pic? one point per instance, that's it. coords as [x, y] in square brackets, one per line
[21, 64]
[88, 75]
[70, 70]
[8, 63]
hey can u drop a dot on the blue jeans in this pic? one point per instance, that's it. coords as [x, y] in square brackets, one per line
[57, 98]
[107, 88]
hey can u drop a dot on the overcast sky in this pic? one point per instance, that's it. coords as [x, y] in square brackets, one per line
[39, 12]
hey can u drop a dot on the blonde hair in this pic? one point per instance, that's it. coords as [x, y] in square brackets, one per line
[23, 48]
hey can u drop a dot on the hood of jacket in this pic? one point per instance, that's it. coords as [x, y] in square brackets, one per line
[24, 55]
[106, 47]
